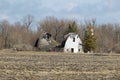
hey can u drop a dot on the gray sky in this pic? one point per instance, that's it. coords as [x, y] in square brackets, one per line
[105, 11]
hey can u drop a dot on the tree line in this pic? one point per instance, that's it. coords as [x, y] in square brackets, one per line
[107, 35]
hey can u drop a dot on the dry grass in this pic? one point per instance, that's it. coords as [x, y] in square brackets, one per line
[58, 66]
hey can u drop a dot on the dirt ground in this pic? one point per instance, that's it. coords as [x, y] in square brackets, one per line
[29, 65]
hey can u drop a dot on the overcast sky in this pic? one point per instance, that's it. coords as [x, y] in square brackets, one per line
[105, 11]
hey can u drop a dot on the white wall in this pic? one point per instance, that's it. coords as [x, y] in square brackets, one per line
[75, 45]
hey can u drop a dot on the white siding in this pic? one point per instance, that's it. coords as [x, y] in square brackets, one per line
[71, 44]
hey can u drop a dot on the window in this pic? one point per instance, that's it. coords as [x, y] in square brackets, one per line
[73, 39]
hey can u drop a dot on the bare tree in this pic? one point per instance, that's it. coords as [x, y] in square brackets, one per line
[27, 21]
[54, 26]
[106, 37]
[5, 32]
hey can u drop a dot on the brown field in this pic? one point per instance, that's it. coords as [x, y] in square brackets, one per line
[58, 66]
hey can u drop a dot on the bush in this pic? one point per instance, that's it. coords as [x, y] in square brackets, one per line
[22, 47]
[116, 48]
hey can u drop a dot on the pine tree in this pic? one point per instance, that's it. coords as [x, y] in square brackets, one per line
[72, 28]
[89, 41]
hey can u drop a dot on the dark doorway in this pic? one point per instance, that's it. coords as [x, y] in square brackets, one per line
[36, 43]
[72, 50]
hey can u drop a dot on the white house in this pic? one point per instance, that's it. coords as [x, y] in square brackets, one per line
[73, 43]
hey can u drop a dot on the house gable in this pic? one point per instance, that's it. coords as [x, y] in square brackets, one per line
[73, 44]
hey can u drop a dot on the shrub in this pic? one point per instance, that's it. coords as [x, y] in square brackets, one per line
[22, 47]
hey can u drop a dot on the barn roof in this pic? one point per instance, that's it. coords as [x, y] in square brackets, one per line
[46, 41]
[70, 34]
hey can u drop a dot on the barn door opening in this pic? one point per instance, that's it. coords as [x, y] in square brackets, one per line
[72, 50]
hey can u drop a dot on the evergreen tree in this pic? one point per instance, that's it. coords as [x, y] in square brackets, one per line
[89, 41]
[72, 28]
